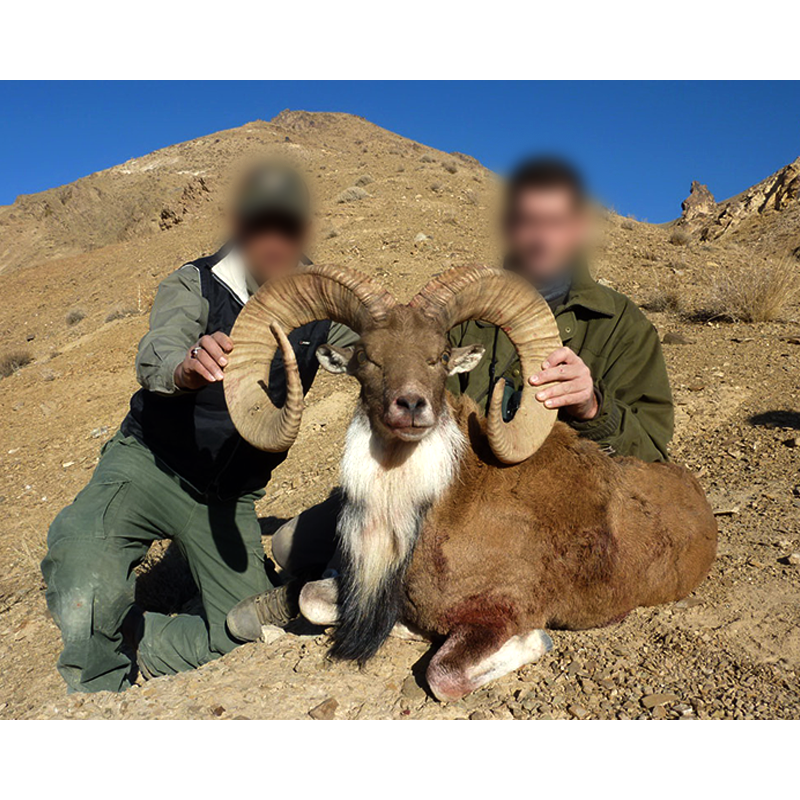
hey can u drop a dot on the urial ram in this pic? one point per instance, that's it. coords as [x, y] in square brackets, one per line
[479, 532]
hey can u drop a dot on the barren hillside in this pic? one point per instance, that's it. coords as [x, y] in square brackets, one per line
[81, 263]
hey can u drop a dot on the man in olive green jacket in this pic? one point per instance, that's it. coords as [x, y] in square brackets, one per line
[611, 379]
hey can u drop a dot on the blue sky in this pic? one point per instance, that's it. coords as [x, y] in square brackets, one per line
[640, 144]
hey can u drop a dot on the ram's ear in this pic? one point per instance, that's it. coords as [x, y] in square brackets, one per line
[334, 359]
[464, 359]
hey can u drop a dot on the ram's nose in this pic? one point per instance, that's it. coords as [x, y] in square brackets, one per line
[410, 403]
[409, 412]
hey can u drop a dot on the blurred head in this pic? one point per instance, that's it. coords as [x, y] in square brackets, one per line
[271, 219]
[546, 219]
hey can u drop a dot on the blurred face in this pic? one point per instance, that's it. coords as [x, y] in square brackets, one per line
[545, 233]
[271, 247]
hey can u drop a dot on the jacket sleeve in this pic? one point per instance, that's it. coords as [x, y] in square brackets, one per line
[636, 415]
[178, 319]
[341, 336]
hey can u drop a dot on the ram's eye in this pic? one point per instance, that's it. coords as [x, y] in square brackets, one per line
[361, 357]
[445, 358]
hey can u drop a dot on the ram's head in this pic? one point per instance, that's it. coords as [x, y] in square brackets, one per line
[402, 359]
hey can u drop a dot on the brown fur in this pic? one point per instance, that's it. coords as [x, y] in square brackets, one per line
[570, 538]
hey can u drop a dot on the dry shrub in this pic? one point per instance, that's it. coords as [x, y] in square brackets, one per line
[75, 316]
[365, 180]
[628, 224]
[352, 194]
[427, 158]
[331, 233]
[450, 166]
[648, 254]
[120, 313]
[666, 297]
[437, 187]
[472, 197]
[11, 362]
[749, 292]
[449, 217]
[680, 237]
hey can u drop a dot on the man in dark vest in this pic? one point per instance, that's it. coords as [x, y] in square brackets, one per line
[178, 469]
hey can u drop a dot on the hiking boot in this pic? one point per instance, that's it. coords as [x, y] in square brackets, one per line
[275, 607]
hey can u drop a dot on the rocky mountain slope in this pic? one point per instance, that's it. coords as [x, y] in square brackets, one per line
[765, 217]
[81, 264]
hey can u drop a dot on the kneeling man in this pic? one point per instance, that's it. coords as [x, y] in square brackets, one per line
[178, 469]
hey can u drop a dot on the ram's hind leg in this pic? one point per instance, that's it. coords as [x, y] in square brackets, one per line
[473, 656]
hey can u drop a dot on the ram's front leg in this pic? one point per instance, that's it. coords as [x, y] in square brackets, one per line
[472, 656]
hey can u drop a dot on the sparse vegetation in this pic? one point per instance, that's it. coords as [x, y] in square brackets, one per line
[648, 254]
[680, 237]
[427, 158]
[628, 224]
[352, 194]
[364, 180]
[331, 233]
[753, 292]
[450, 166]
[471, 196]
[449, 217]
[666, 297]
[120, 313]
[437, 187]
[14, 361]
[75, 316]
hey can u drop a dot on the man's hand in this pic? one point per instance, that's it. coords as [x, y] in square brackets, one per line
[204, 362]
[574, 386]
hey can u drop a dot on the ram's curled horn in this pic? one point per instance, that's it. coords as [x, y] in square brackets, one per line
[312, 293]
[506, 300]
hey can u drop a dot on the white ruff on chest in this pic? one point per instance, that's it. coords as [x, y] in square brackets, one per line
[389, 487]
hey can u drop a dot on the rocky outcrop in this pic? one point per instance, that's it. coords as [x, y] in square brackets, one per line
[776, 194]
[699, 203]
[194, 194]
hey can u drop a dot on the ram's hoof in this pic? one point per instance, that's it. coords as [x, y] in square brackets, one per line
[319, 601]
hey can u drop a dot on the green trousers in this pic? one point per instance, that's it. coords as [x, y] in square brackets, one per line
[95, 544]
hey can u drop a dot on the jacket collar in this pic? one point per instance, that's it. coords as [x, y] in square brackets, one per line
[587, 293]
[584, 291]
[230, 271]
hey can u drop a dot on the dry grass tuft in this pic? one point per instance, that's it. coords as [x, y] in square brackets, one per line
[751, 292]
[628, 224]
[14, 361]
[450, 166]
[680, 237]
[666, 297]
[75, 316]
[427, 158]
[364, 180]
[472, 197]
[121, 313]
